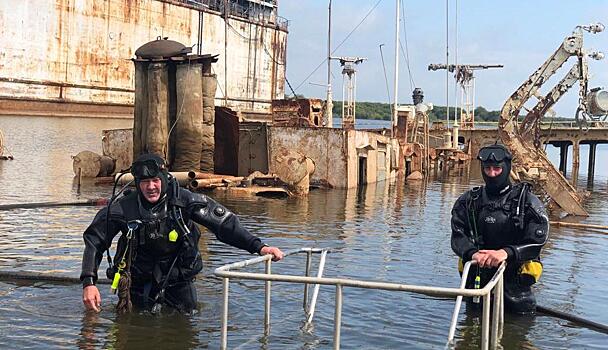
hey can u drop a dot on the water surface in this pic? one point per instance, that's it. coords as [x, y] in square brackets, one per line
[386, 232]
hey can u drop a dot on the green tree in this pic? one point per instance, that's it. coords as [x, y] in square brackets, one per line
[383, 111]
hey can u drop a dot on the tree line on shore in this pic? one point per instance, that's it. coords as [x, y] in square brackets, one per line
[383, 111]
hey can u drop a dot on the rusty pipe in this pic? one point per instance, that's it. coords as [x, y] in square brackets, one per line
[194, 183]
[201, 175]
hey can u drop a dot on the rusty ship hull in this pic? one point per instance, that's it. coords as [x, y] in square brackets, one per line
[72, 57]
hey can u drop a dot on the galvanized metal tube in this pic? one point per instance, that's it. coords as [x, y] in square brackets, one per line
[501, 291]
[463, 283]
[496, 315]
[308, 266]
[426, 290]
[267, 295]
[496, 282]
[396, 72]
[224, 335]
[485, 323]
[315, 293]
[338, 316]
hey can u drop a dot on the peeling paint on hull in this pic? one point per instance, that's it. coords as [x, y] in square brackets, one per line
[79, 51]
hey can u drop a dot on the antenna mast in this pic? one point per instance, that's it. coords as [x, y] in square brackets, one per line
[329, 105]
[463, 73]
[349, 88]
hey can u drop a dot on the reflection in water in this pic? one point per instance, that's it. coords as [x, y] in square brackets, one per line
[515, 336]
[173, 331]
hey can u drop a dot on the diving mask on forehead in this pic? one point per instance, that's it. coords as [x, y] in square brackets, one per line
[494, 153]
[146, 169]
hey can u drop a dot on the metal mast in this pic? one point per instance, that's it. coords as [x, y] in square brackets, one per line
[396, 81]
[328, 122]
[463, 73]
[349, 88]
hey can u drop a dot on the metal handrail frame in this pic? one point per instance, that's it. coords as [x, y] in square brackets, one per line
[495, 286]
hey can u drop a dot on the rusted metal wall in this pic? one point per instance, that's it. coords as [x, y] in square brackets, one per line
[300, 112]
[252, 148]
[336, 152]
[79, 50]
[326, 147]
[118, 145]
[226, 150]
[376, 148]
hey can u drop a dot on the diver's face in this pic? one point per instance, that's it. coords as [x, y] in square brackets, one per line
[150, 189]
[492, 170]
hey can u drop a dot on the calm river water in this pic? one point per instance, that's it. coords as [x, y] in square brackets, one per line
[387, 232]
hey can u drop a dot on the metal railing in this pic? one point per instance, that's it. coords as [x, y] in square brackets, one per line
[494, 286]
[253, 11]
[547, 124]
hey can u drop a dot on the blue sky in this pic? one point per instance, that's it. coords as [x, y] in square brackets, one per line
[518, 34]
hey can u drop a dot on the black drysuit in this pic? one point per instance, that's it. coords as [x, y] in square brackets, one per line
[515, 221]
[155, 249]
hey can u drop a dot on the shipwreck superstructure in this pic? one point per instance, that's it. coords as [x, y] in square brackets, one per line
[71, 57]
[523, 139]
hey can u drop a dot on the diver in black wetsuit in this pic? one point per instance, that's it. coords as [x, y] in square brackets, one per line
[157, 254]
[501, 221]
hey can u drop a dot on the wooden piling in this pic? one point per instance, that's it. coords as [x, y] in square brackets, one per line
[575, 162]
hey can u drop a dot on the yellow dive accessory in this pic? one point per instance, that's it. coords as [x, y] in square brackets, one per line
[477, 285]
[173, 236]
[116, 278]
[530, 272]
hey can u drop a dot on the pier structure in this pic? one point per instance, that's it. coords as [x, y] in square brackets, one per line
[561, 137]
[591, 138]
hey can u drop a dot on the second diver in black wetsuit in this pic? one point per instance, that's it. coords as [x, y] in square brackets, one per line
[501, 222]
